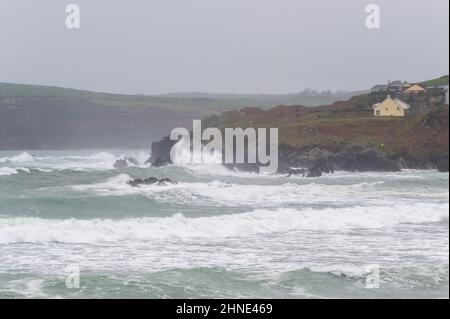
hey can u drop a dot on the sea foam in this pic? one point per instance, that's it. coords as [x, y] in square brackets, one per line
[21, 158]
[6, 171]
[257, 222]
[259, 194]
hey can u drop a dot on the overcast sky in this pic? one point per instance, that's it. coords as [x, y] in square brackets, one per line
[229, 46]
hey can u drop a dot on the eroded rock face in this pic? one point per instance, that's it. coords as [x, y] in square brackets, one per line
[160, 155]
[121, 164]
[150, 181]
[359, 159]
[442, 164]
[125, 162]
[314, 161]
[132, 160]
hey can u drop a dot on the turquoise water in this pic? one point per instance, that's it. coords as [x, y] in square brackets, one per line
[216, 233]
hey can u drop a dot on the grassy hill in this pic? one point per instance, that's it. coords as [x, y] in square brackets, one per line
[43, 117]
[343, 125]
[442, 81]
[203, 103]
[200, 105]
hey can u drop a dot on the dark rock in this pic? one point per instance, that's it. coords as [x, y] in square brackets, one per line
[161, 152]
[121, 164]
[132, 160]
[151, 180]
[441, 163]
[166, 181]
[322, 166]
[297, 171]
[313, 161]
[159, 162]
[360, 159]
[443, 167]
[124, 162]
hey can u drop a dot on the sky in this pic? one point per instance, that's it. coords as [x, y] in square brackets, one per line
[222, 46]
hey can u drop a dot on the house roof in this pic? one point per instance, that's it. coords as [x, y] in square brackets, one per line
[415, 88]
[379, 87]
[396, 83]
[402, 104]
[389, 100]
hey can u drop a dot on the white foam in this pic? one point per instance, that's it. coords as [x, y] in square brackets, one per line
[257, 222]
[96, 161]
[6, 171]
[21, 158]
[222, 194]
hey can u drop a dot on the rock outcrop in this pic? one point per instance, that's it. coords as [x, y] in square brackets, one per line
[125, 162]
[315, 161]
[150, 181]
[339, 137]
[120, 164]
[160, 154]
[308, 162]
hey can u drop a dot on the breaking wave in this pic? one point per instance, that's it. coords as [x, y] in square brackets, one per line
[6, 171]
[257, 195]
[97, 161]
[257, 222]
[21, 158]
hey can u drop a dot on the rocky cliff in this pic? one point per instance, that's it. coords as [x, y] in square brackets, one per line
[340, 137]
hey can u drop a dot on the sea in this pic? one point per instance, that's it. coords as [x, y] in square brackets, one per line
[71, 227]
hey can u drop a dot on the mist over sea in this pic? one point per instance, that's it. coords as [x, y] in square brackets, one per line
[217, 233]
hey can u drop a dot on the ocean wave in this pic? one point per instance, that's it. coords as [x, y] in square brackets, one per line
[21, 158]
[223, 194]
[399, 279]
[257, 222]
[217, 193]
[6, 171]
[96, 161]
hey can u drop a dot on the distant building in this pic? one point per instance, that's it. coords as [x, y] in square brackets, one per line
[395, 87]
[390, 107]
[379, 88]
[396, 84]
[407, 85]
[415, 89]
[392, 88]
[419, 97]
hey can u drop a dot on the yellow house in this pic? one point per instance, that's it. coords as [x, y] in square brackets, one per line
[390, 107]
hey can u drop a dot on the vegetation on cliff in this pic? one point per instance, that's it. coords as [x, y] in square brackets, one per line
[442, 81]
[343, 125]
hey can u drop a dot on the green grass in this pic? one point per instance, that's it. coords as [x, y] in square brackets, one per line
[202, 106]
[25, 90]
[437, 82]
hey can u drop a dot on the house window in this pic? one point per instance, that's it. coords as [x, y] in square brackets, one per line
[377, 112]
